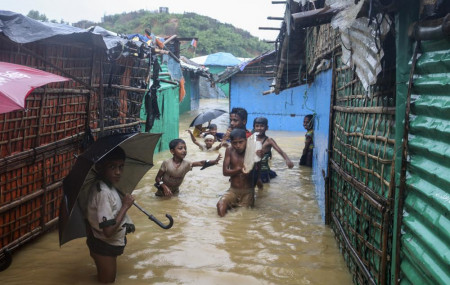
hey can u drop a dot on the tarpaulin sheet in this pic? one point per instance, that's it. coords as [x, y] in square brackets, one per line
[21, 29]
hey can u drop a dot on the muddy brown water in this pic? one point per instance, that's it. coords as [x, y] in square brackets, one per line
[283, 240]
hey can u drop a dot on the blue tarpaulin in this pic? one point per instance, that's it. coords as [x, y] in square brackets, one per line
[219, 59]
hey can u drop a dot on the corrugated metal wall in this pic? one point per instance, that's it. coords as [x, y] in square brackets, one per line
[191, 100]
[185, 105]
[168, 103]
[425, 250]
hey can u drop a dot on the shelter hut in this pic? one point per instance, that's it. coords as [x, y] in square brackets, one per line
[177, 92]
[38, 145]
[249, 82]
[216, 63]
[192, 72]
[380, 163]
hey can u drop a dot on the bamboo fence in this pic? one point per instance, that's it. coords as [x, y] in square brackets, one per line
[38, 145]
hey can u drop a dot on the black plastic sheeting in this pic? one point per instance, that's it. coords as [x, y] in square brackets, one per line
[21, 29]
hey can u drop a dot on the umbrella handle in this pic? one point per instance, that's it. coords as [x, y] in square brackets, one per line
[151, 217]
[158, 222]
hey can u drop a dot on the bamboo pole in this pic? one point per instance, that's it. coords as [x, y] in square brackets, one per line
[352, 251]
[376, 200]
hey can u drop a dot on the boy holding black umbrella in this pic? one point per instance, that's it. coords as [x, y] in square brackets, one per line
[107, 216]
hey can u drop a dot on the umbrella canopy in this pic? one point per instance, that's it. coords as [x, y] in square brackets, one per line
[18, 81]
[138, 147]
[206, 117]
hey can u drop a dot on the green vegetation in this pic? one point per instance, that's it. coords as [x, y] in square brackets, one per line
[212, 35]
[33, 14]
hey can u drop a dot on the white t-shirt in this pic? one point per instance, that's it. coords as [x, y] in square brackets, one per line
[103, 205]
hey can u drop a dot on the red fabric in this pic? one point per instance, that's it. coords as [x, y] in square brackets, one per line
[182, 90]
[18, 81]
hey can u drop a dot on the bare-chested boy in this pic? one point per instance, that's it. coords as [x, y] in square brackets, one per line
[241, 192]
[260, 125]
[173, 170]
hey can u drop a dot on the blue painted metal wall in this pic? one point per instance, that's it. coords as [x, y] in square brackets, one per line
[321, 92]
[286, 112]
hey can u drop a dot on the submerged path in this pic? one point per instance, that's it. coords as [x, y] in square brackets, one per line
[281, 241]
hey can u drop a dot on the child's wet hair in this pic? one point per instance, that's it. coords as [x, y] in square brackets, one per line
[260, 120]
[116, 154]
[213, 126]
[238, 134]
[173, 143]
[241, 112]
[310, 117]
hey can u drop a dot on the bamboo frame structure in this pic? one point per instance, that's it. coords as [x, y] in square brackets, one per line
[361, 177]
[38, 145]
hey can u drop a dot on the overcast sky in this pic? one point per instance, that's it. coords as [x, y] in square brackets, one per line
[245, 14]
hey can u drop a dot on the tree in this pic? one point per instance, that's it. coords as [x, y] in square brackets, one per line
[33, 14]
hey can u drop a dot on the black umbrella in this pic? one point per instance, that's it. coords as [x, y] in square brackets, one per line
[138, 147]
[207, 116]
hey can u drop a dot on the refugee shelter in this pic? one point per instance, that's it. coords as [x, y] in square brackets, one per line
[192, 72]
[249, 83]
[382, 166]
[38, 145]
[216, 63]
[175, 90]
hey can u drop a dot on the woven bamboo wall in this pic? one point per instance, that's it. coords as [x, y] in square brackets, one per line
[321, 41]
[38, 146]
[361, 184]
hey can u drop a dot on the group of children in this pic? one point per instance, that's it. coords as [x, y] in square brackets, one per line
[108, 221]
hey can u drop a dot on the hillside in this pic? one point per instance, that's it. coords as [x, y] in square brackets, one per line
[212, 35]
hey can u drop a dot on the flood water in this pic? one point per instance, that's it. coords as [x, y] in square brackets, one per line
[282, 240]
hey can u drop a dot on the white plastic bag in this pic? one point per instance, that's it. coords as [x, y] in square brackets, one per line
[250, 157]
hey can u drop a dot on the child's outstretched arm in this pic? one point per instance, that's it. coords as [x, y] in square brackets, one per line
[219, 146]
[159, 181]
[194, 140]
[281, 152]
[206, 163]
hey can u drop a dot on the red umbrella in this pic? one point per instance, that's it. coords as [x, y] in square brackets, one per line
[18, 81]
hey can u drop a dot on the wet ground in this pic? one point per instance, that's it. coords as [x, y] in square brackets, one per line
[281, 241]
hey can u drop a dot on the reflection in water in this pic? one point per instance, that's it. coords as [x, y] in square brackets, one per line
[280, 241]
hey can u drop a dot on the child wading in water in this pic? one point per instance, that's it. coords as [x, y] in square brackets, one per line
[212, 130]
[307, 155]
[208, 145]
[238, 120]
[107, 216]
[260, 126]
[241, 192]
[172, 171]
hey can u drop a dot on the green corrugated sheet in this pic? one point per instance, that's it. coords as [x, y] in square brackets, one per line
[425, 250]
[185, 105]
[168, 103]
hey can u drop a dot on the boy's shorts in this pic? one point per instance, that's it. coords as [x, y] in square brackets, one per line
[160, 191]
[239, 197]
[100, 247]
